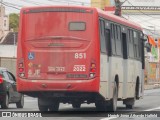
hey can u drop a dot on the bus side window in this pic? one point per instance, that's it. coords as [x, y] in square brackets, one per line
[118, 41]
[142, 53]
[130, 44]
[102, 37]
[108, 41]
[124, 46]
[136, 48]
[113, 43]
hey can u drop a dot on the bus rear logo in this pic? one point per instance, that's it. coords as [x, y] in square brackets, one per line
[31, 55]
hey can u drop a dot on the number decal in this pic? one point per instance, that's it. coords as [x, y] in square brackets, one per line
[80, 68]
[56, 69]
[80, 55]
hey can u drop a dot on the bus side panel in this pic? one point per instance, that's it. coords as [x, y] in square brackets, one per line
[138, 76]
[19, 48]
[141, 92]
[115, 72]
[104, 75]
[134, 72]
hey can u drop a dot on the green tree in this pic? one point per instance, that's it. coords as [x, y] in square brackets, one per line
[14, 21]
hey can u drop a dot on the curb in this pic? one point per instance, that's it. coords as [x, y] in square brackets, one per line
[153, 86]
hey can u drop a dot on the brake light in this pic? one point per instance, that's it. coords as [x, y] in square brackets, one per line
[20, 64]
[92, 70]
[1, 79]
[21, 69]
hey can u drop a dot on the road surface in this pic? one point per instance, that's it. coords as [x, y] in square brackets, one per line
[150, 102]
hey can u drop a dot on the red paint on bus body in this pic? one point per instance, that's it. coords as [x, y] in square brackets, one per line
[54, 56]
[49, 49]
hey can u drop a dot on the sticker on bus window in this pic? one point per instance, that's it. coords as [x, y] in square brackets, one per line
[31, 55]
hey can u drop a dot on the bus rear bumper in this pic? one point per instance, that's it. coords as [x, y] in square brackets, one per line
[58, 85]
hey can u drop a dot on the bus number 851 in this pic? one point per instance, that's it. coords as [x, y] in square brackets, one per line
[80, 56]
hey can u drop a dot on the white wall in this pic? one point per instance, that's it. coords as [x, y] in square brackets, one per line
[8, 51]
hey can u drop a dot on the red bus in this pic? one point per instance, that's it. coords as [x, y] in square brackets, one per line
[71, 54]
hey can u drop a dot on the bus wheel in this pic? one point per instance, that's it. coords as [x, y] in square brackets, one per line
[41, 106]
[54, 106]
[130, 102]
[112, 104]
[100, 106]
[76, 105]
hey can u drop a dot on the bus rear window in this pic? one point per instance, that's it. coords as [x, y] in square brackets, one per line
[77, 26]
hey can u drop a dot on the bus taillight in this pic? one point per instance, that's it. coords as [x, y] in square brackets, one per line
[92, 70]
[21, 69]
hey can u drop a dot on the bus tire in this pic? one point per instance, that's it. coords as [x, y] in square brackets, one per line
[101, 106]
[130, 102]
[112, 104]
[41, 106]
[76, 105]
[54, 106]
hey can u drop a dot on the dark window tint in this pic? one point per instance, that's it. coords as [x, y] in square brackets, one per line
[124, 46]
[130, 44]
[77, 26]
[118, 41]
[102, 36]
[108, 41]
[113, 43]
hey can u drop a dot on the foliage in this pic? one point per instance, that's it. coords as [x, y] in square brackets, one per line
[14, 21]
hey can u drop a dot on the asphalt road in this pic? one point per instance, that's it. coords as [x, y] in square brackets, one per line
[143, 107]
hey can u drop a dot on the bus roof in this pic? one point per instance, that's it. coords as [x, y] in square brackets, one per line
[100, 12]
[118, 19]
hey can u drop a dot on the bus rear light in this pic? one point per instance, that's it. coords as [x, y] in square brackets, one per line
[20, 64]
[92, 75]
[22, 75]
[92, 70]
[21, 69]
[1, 79]
[93, 65]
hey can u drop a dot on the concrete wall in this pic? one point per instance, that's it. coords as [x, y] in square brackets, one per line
[9, 63]
[8, 51]
[8, 54]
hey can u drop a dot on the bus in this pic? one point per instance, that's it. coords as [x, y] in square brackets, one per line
[76, 55]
